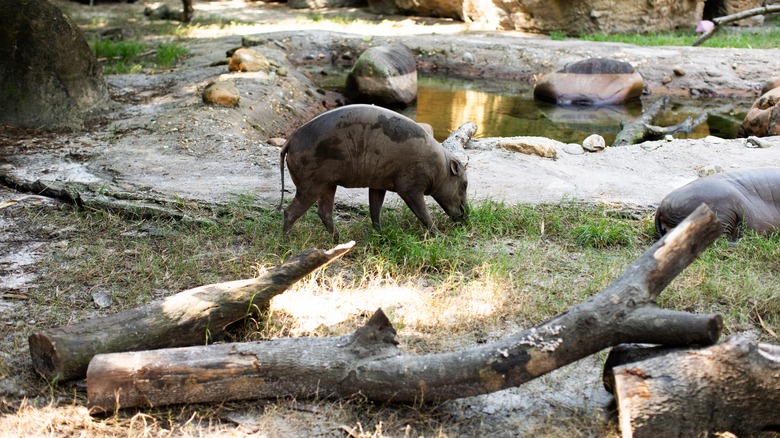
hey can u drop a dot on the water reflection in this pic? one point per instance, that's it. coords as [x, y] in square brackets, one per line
[508, 109]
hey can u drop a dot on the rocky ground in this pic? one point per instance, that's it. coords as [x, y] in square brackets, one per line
[157, 137]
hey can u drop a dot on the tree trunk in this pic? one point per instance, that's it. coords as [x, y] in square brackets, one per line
[368, 362]
[730, 387]
[192, 317]
[634, 132]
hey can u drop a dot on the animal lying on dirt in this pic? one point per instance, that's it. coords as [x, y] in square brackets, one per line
[747, 199]
[369, 146]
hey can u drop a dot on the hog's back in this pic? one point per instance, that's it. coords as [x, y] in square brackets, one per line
[362, 146]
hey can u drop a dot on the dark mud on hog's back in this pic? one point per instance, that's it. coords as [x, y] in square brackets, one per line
[369, 146]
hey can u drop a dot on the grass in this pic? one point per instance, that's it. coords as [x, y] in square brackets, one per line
[509, 266]
[135, 56]
[768, 38]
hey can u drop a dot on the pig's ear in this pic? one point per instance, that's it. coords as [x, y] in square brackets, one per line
[455, 167]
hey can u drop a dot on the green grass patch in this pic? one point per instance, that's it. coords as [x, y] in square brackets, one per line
[725, 38]
[135, 56]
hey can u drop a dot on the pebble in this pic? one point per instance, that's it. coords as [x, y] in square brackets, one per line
[573, 149]
[757, 142]
[468, 58]
[594, 143]
[709, 169]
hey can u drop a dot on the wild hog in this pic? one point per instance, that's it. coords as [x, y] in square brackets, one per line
[369, 146]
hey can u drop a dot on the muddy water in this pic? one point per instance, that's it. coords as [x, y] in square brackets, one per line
[507, 109]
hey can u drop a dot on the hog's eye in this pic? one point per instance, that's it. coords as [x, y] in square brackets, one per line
[465, 185]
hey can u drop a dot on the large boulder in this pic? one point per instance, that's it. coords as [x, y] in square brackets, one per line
[49, 77]
[763, 118]
[383, 75]
[572, 17]
[594, 81]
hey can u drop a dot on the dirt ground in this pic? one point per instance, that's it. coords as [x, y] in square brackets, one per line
[158, 137]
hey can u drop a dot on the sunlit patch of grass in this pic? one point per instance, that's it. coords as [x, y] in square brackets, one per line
[135, 56]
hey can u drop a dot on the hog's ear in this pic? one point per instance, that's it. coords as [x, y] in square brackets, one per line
[455, 167]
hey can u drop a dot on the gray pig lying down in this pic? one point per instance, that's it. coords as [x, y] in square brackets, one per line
[369, 146]
[744, 198]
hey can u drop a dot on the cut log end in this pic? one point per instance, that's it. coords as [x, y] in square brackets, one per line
[46, 358]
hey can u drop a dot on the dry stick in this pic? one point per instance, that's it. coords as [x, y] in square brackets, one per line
[735, 17]
[369, 362]
[730, 387]
[191, 317]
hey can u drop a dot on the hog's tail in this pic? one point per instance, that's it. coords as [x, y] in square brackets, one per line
[282, 155]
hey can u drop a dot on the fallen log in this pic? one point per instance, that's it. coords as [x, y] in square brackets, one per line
[730, 387]
[459, 138]
[635, 131]
[192, 317]
[720, 21]
[687, 125]
[369, 362]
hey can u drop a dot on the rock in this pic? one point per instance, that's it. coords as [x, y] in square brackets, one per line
[277, 141]
[383, 75]
[573, 149]
[468, 58]
[321, 4]
[714, 139]
[771, 84]
[530, 146]
[383, 7]
[763, 118]
[678, 71]
[755, 142]
[594, 81]
[49, 77]
[709, 169]
[574, 17]
[245, 59]
[666, 79]
[222, 93]
[102, 299]
[594, 143]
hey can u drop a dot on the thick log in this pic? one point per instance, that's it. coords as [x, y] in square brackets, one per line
[192, 317]
[720, 21]
[369, 362]
[635, 131]
[730, 387]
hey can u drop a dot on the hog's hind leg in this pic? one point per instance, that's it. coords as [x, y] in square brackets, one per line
[376, 197]
[299, 205]
[325, 210]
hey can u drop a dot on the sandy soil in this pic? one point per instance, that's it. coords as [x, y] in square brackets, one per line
[159, 137]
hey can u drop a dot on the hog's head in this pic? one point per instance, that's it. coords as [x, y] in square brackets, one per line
[451, 193]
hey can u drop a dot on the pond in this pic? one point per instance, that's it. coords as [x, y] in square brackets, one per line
[508, 109]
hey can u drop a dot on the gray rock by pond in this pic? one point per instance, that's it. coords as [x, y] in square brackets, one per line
[49, 77]
[383, 75]
[594, 81]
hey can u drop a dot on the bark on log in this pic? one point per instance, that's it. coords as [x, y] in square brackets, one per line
[634, 132]
[192, 317]
[763, 10]
[730, 387]
[368, 362]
